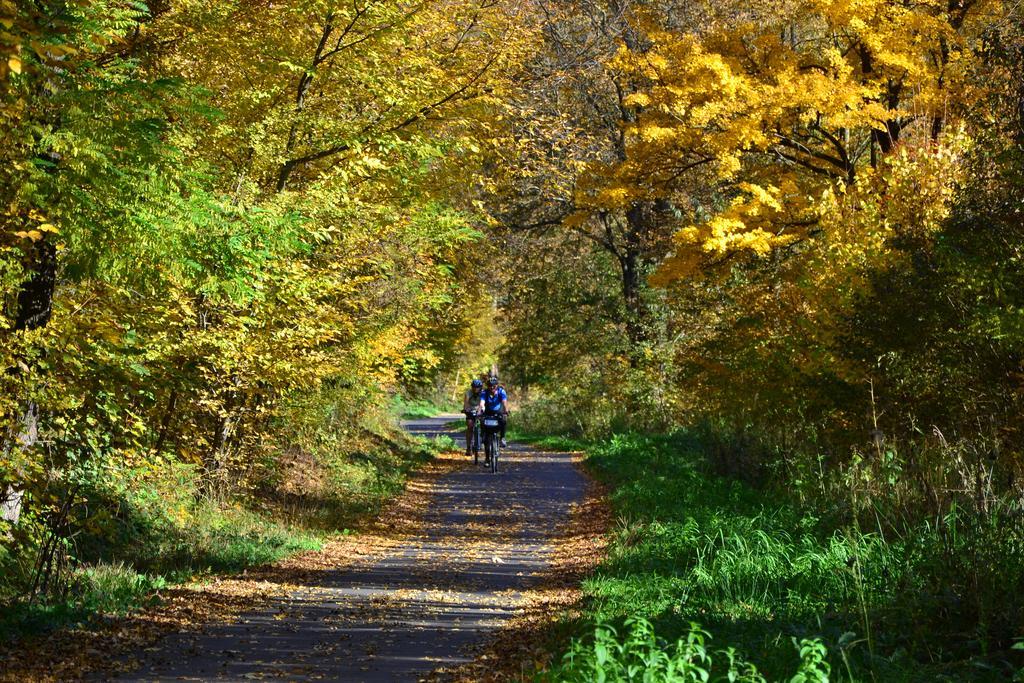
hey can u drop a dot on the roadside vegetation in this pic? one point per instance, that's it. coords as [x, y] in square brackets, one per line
[639, 653]
[767, 576]
[414, 408]
[152, 530]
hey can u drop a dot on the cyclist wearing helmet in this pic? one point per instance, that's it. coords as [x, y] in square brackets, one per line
[495, 402]
[470, 404]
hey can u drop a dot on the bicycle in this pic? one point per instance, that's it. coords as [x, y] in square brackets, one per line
[475, 444]
[492, 440]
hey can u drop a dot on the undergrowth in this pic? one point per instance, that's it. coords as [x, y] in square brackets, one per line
[639, 654]
[411, 409]
[758, 570]
[148, 529]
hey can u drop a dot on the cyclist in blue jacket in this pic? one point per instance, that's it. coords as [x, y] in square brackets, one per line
[470, 403]
[495, 402]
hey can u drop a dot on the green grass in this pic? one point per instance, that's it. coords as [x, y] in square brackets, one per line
[552, 442]
[410, 409]
[216, 541]
[95, 590]
[639, 654]
[757, 571]
[143, 538]
[221, 540]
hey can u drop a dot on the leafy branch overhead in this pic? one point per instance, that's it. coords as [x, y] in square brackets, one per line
[235, 234]
[229, 230]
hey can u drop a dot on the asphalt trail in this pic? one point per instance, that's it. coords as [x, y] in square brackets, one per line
[427, 604]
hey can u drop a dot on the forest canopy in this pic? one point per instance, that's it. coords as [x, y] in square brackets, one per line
[232, 232]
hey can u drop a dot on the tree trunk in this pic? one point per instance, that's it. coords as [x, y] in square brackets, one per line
[885, 139]
[217, 469]
[35, 300]
[301, 90]
[10, 504]
[1019, 133]
[632, 266]
[165, 422]
[631, 295]
[35, 305]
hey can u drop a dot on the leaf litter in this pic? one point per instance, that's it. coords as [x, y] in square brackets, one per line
[526, 620]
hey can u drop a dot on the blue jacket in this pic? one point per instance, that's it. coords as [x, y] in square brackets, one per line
[492, 402]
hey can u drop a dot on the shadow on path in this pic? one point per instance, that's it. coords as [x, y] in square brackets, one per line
[427, 603]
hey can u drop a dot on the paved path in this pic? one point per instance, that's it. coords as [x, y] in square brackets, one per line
[428, 603]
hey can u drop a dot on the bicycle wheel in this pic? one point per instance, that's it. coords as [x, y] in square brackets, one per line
[476, 443]
[494, 452]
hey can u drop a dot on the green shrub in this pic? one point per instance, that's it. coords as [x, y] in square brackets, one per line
[128, 531]
[641, 656]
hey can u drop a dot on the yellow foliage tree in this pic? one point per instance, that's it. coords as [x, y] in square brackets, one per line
[778, 105]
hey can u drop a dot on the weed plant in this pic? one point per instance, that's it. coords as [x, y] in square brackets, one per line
[639, 655]
[758, 569]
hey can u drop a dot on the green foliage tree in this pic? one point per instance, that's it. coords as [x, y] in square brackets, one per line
[221, 223]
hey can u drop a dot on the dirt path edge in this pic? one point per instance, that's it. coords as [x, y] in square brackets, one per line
[530, 641]
[108, 644]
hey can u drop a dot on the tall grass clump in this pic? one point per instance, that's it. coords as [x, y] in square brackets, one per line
[758, 568]
[640, 655]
